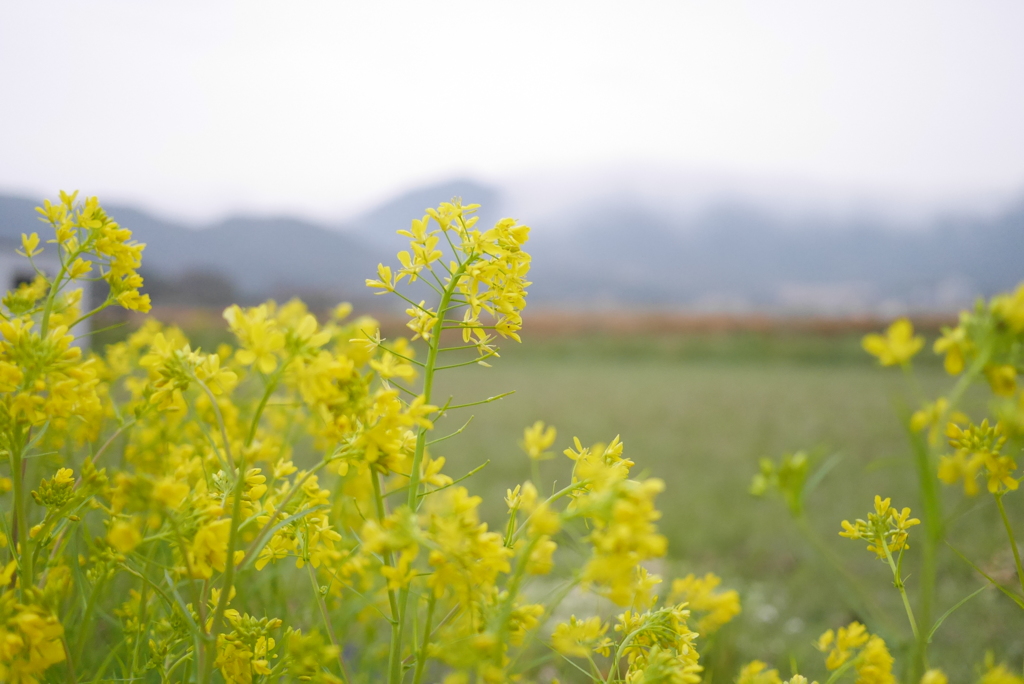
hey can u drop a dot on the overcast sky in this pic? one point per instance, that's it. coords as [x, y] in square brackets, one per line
[201, 108]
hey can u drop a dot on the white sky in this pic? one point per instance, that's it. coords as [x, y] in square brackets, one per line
[201, 108]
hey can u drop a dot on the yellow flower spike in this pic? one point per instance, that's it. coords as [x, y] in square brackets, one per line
[886, 528]
[978, 446]
[897, 346]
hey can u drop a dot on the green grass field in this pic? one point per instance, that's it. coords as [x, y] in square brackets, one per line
[699, 413]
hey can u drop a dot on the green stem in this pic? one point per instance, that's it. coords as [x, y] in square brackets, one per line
[229, 570]
[394, 656]
[898, 582]
[395, 671]
[428, 385]
[866, 601]
[1013, 540]
[90, 606]
[54, 287]
[327, 621]
[421, 657]
[933, 534]
[841, 671]
[25, 555]
[271, 386]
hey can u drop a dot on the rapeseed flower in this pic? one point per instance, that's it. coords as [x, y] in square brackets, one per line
[885, 529]
[897, 346]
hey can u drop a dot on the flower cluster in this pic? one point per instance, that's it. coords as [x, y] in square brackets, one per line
[885, 530]
[279, 508]
[977, 447]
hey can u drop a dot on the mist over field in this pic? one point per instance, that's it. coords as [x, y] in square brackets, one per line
[609, 248]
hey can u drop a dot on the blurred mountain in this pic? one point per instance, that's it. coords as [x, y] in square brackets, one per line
[729, 256]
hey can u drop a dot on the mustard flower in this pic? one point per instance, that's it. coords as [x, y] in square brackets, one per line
[897, 346]
[886, 528]
[702, 596]
[537, 439]
[757, 672]
[581, 637]
[955, 344]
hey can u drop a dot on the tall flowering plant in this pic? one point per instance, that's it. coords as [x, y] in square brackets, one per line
[279, 510]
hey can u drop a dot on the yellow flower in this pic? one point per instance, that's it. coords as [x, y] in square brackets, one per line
[999, 674]
[955, 345]
[756, 672]
[537, 439]
[886, 528]
[700, 595]
[842, 644]
[210, 548]
[874, 666]
[1002, 379]
[897, 346]
[977, 446]
[30, 641]
[1010, 308]
[934, 677]
[30, 245]
[258, 334]
[170, 492]
[386, 282]
[581, 637]
[124, 536]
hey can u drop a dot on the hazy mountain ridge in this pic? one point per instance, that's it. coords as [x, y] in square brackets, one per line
[730, 256]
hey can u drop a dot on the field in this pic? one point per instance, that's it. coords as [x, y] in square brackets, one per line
[698, 411]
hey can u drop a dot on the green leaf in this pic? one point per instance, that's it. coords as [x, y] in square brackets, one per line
[1016, 599]
[949, 612]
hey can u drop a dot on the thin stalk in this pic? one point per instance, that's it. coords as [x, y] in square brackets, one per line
[841, 671]
[90, 606]
[429, 368]
[421, 657]
[898, 583]
[25, 555]
[932, 538]
[106, 445]
[482, 401]
[394, 656]
[468, 363]
[269, 390]
[867, 601]
[327, 622]
[550, 500]
[1013, 540]
[220, 420]
[54, 287]
[72, 677]
[229, 570]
